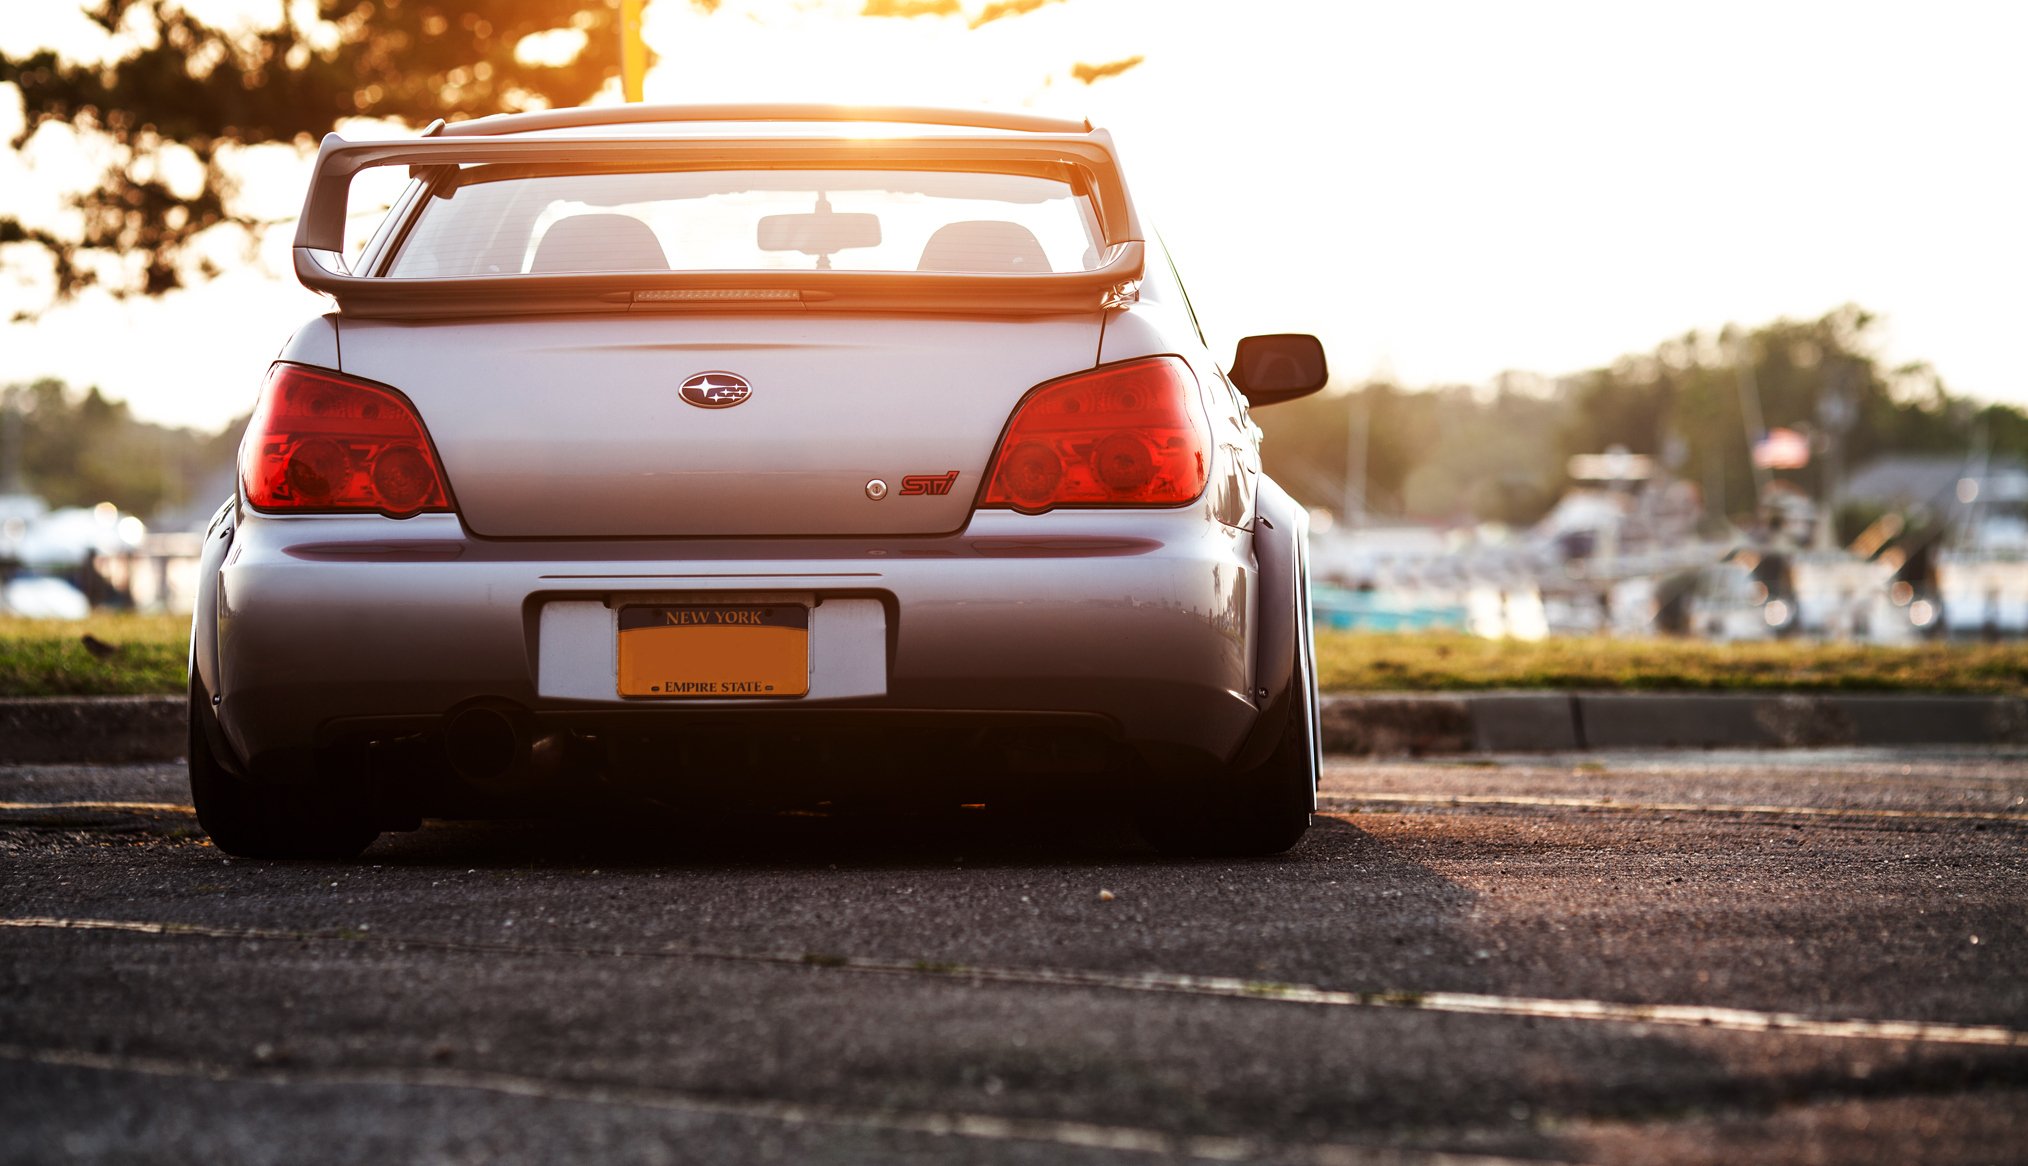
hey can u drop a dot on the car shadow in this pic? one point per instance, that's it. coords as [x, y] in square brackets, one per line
[1343, 907]
[822, 838]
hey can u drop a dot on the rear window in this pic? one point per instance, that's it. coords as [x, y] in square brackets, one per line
[500, 220]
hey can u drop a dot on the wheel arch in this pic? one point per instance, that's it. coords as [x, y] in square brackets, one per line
[203, 666]
[1281, 536]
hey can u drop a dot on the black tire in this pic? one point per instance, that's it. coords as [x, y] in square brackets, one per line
[1257, 812]
[244, 818]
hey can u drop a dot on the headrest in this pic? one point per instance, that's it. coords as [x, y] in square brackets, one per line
[988, 245]
[602, 242]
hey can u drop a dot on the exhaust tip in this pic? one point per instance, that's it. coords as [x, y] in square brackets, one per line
[483, 743]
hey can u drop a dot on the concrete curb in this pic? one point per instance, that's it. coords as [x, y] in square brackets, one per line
[1567, 721]
[92, 730]
[111, 729]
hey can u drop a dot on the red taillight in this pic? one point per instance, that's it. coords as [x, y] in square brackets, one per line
[1128, 434]
[320, 441]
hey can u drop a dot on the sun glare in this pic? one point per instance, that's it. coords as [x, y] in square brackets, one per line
[553, 49]
[1444, 191]
[830, 51]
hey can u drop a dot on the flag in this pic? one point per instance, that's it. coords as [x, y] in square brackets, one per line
[1782, 449]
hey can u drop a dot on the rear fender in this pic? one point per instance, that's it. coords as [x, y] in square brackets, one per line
[1281, 533]
[203, 666]
[204, 613]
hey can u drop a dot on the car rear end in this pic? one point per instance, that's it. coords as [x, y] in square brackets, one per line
[731, 455]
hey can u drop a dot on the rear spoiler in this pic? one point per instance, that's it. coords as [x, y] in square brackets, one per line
[320, 233]
[582, 116]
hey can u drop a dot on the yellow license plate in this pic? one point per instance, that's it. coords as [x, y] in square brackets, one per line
[715, 650]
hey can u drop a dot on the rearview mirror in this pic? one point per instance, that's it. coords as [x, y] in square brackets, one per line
[1281, 367]
[818, 234]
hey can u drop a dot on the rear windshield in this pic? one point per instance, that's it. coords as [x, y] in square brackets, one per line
[505, 221]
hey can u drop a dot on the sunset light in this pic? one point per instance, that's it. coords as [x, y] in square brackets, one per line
[1100, 582]
[1458, 189]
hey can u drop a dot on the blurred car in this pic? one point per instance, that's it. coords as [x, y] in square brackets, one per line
[732, 454]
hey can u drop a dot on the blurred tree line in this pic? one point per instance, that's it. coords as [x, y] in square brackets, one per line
[1498, 454]
[79, 449]
[1448, 454]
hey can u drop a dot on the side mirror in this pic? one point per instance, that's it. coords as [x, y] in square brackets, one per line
[1277, 368]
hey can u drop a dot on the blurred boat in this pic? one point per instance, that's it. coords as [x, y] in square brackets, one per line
[1347, 610]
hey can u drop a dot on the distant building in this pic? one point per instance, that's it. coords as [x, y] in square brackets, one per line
[1897, 481]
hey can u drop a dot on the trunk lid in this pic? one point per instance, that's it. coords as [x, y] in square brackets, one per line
[554, 427]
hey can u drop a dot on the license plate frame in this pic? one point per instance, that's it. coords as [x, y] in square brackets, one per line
[718, 650]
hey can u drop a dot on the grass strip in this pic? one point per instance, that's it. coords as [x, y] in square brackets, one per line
[137, 655]
[1453, 662]
[51, 658]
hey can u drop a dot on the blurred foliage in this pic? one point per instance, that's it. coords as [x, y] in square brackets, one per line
[179, 99]
[181, 95]
[47, 657]
[1380, 662]
[80, 449]
[1446, 453]
[1818, 377]
[1453, 453]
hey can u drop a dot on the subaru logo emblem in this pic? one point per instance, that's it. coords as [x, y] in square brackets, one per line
[716, 390]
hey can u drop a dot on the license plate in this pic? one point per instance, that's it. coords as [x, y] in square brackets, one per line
[715, 650]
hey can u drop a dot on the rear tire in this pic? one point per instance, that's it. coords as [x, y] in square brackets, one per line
[311, 819]
[1257, 812]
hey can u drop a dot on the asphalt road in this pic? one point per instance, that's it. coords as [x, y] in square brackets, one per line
[1682, 958]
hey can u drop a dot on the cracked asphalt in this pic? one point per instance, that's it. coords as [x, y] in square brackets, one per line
[1809, 956]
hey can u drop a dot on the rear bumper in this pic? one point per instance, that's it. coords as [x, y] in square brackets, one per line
[1140, 624]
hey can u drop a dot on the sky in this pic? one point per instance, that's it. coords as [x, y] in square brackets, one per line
[1443, 191]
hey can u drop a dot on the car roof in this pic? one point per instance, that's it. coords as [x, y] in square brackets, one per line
[749, 121]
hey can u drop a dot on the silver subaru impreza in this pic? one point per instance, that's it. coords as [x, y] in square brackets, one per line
[749, 456]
